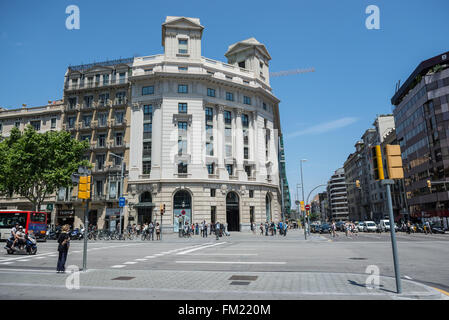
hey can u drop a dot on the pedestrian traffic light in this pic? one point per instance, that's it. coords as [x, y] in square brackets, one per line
[394, 162]
[84, 187]
[357, 183]
[378, 169]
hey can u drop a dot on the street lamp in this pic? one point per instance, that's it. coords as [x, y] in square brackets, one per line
[121, 185]
[302, 183]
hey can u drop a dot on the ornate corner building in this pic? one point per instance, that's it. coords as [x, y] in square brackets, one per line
[200, 136]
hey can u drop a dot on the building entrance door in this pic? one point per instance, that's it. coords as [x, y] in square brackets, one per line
[233, 212]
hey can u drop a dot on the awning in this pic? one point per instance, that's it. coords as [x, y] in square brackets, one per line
[144, 205]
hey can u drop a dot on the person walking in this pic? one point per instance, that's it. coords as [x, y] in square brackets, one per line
[217, 230]
[151, 229]
[266, 228]
[254, 227]
[158, 231]
[261, 229]
[285, 228]
[334, 228]
[281, 230]
[63, 248]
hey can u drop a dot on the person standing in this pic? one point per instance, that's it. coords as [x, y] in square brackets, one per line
[151, 228]
[281, 229]
[158, 231]
[63, 248]
[285, 228]
[266, 228]
[261, 229]
[217, 230]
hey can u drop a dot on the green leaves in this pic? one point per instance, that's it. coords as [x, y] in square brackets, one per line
[34, 165]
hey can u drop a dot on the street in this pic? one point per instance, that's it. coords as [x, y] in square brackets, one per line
[242, 266]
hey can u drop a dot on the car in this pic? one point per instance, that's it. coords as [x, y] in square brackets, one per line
[370, 226]
[325, 228]
[361, 226]
[314, 228]
[340, 226]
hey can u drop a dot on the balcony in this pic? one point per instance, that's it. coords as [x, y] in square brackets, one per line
[98, 146]
[67, 127]
[98, 169]
[87, 106]
[115, 145]
[72, 108]
[118, 123]
[98, 198]
[84, 126]
[103, 104]
[119, 102]
[114, 168]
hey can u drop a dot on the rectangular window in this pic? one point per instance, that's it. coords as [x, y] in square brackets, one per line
[99, 188]
[183, 46]
[53, 123]
[71, 122]
[183, 68]
[147, 112]
[120, 97]
[88, 101]
[210, 168]
[228, 151]
[248, 171]
[16, 124]
[182, 107]
[102, 119]
[72, 103]
[101, 140]
[119, 117]
[97, 79]
[209, 130]
[119, 139]
[264, 106]
[182, 168]
[229, 96]
[86, 121]
[146, 167]
[245, 153]
[182, 126]
[227, 117]
[209, 149]
[112, 189]
[105, 79]
[1, 127]
[122, 77]
[209, 114]
[210, 92]
[251, 193]
[100, 161]
[85, 138]
[146, 149]
[229, 169]
[103, 99]
[245, 120]
[147, 129]
[246, 100]
[183, 88]
[117, 160]
[147, 90]
[212, 192]
[213, 214]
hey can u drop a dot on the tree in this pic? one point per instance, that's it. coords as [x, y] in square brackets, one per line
[34, 165]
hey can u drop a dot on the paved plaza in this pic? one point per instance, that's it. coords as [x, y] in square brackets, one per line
[241, 266]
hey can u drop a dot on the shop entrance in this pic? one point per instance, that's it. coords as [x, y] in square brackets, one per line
[232, 212]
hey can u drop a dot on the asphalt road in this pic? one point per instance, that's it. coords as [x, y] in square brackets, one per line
[423, 258]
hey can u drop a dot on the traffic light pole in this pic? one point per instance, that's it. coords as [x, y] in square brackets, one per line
[397, 272]
[86, 225]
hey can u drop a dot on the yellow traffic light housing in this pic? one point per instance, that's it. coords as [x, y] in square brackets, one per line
[357, 183]
[84, 187]
[378, 169]
[429, 184]
[394, 162]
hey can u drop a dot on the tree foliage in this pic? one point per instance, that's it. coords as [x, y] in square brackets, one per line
[34, 165]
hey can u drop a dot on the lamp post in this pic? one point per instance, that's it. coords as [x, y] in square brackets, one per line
[302, 184]
[121, 185]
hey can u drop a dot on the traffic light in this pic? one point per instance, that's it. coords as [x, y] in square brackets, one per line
[429, 184]
[162, 208]
[84, 187]
[357, 183]
[394, 162]
[163, 211]
[378, 169]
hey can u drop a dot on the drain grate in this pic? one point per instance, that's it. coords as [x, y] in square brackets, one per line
[240, 283]
[123, 278]
[357, 258]
[247, 278]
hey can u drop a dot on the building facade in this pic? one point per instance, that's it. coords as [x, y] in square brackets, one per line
[43, 119]
[205, 135]
[337, 196]
[421, 111]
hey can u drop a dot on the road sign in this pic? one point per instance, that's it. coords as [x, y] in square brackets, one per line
[307, 207]
[50, 206]
[121, 202]
[297, 202]
[183, 212]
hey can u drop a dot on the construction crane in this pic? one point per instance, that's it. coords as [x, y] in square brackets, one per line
[290, 72]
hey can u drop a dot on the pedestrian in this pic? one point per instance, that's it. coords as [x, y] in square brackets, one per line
[197, 228]
[192, 228]
[334, 228]
[151, 229]
[266, 228]
[158, 231]
[274, 228]
[63, 248]
[206, 229]
[254, 227]
[281, 230]
[285, 228]
[409, 227]
[217, 230]
[261, 229]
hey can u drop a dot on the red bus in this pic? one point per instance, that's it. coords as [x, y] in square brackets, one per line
[31, 221]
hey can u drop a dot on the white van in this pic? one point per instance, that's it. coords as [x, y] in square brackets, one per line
[384, 225]
[370, 226]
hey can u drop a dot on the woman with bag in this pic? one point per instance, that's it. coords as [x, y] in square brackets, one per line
[63, 248]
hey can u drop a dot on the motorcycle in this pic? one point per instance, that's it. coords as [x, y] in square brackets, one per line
[29, 247]
[76, 234]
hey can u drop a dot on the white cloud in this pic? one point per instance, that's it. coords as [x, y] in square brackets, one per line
[323, 127]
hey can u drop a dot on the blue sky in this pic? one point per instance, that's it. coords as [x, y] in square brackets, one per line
[323, 113]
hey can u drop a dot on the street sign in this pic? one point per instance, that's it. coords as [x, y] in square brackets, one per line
[183, 212]
[50, 207]
[297, 202]
[307, 207]
[121, 202]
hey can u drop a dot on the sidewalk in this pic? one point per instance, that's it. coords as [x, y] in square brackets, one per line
[206, 285]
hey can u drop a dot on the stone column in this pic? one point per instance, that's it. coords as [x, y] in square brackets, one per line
[253, 143]
[156, 140]
[220, 137]
[239, 143]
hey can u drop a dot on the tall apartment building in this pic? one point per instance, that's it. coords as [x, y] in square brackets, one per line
[337, 195]
[42, 118]
[421, 111]
[205, 135]
[369, 202]
[97, 108]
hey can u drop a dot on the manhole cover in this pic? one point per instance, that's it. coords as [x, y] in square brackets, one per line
[123, 278]
[247, 278]
[357, 258]
[240, 283]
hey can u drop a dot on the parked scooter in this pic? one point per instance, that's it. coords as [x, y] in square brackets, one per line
[30, 246]
[76, 234]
